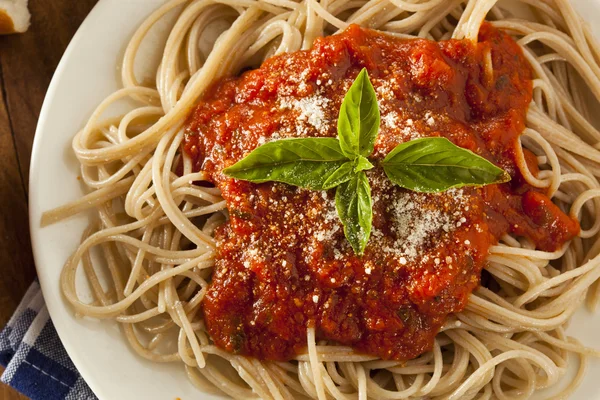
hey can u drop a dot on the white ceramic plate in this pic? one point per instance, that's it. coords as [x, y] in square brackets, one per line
[87, 74]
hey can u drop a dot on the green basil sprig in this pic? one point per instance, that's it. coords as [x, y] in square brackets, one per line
[355, 209]
[436, 164]
[423, 165]
[358, 123]
[312, 163]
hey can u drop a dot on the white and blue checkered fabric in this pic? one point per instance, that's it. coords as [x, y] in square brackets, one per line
[36, 362]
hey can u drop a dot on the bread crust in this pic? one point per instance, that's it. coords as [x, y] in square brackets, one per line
[6, 23]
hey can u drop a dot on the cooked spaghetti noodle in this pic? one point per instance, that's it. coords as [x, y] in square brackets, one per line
[507, 343]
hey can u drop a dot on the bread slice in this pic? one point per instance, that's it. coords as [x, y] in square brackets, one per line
[14, 16]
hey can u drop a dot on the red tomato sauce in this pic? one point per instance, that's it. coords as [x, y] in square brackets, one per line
[283, 263]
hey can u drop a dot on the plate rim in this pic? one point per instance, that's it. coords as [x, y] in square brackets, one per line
[49, 288]
[34, 225]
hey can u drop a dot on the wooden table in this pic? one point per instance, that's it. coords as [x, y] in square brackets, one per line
[27, 62]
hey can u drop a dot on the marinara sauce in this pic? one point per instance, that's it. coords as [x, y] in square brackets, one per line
[283, 263]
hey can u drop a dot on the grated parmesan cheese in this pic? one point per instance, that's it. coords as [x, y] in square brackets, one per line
[331, 225]
[413, 222]
[390, 120]
[311, 110]
[429, 119]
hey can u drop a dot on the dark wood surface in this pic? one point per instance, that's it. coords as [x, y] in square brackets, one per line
[27, 62]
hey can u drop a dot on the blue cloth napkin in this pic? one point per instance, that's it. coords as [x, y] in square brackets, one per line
[36, 362]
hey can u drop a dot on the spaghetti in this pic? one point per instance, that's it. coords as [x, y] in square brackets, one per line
[155, 226]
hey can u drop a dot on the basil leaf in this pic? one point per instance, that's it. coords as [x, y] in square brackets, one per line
[339, 176]
[436, 164]
[362, 164]
[354, 207]
[303, 162]
[358, 122]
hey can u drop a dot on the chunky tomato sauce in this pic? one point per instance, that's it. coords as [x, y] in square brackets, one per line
[283, 262]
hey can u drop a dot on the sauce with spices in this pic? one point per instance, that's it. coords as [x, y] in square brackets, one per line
[283, 262]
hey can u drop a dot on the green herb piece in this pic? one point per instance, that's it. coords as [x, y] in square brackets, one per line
[358, 123]
[422, 165]
[362, 164]
[355, 209]
[303, 162]
[343, 174]
[436, 164]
